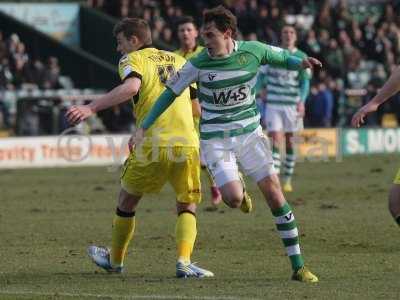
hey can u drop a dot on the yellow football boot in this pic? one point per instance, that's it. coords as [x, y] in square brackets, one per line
[287, 187]
[247, 205]
[304, 275]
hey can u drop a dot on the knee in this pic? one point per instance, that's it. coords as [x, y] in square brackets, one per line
[394, 200]
[127, 202]
[233, 201]
[186, 207]
[232, 194]
[276, 138]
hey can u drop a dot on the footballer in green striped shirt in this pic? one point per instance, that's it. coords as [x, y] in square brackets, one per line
[230, 132]
[287, 91]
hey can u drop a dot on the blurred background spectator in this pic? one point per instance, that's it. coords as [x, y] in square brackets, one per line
[19, 71]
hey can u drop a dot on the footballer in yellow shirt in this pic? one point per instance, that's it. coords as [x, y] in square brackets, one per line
[169, 152]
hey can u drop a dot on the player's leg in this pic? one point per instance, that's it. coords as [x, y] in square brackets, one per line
[184, 177]
[112, 260]
[123, 226]
[276, 140]
[216, 196]
[286, 226]
[274, 125]
[394, 198]
[292, 124]
[256, 160]
[394, 202]
[290, 162]
[221, 162]
[138, 177]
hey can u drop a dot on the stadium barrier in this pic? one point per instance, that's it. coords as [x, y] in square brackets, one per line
[71, 149]
[63, 151]
[370, 141]
[41, 112]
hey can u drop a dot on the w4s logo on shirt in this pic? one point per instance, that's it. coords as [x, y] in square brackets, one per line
[229, 97]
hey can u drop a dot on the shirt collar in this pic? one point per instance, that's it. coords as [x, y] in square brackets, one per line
[235, 48]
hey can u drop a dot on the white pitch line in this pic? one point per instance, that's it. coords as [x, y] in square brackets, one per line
[132, 297]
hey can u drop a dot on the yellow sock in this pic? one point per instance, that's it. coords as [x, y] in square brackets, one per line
[122, 233]
[186, 232]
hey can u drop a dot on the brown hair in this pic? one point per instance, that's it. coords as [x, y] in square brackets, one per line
[185, 20]
[134, 26]
[289, 26]
[222, 17]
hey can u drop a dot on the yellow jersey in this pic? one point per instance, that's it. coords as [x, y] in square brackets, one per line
[154, 67]
[190, 54]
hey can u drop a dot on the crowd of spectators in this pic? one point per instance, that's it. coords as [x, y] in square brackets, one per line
[18, 70]
[357, 41]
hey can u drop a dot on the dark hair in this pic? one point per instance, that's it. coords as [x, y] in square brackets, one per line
[184, 20]
[289, 25]
[222, 17]
[134, 26]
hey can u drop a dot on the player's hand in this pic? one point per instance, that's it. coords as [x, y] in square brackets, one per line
[358, 118]
[78, 113]
[301, 110]
[311, 62]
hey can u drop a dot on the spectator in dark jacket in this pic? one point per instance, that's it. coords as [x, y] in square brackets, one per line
[320, 106]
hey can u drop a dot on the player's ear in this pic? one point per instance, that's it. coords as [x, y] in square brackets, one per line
[228, 34]
[134, 40]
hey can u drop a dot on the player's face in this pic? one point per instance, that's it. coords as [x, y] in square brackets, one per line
[124, 45]
[214, 40]
[288, 36]
[187, 34]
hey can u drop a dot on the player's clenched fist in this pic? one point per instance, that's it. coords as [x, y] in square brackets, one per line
[78, 113]
[311, 62]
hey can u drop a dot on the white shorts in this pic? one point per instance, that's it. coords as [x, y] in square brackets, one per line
[283, 118]
[252, 151]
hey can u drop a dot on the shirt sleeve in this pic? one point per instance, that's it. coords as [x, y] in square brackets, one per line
[130, 66]
[183, 78]
[274, 56]
[305, 74]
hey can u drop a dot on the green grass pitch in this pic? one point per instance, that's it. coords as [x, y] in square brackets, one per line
[49, 216]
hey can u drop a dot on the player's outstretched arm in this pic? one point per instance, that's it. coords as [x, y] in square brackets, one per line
[304, 92]
[391, 87]
[123, 92]
[310, 62]
[295, 63]
[279, 57]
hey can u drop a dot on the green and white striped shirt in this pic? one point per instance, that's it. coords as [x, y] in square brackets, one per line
[226, 87]
[283, 86]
